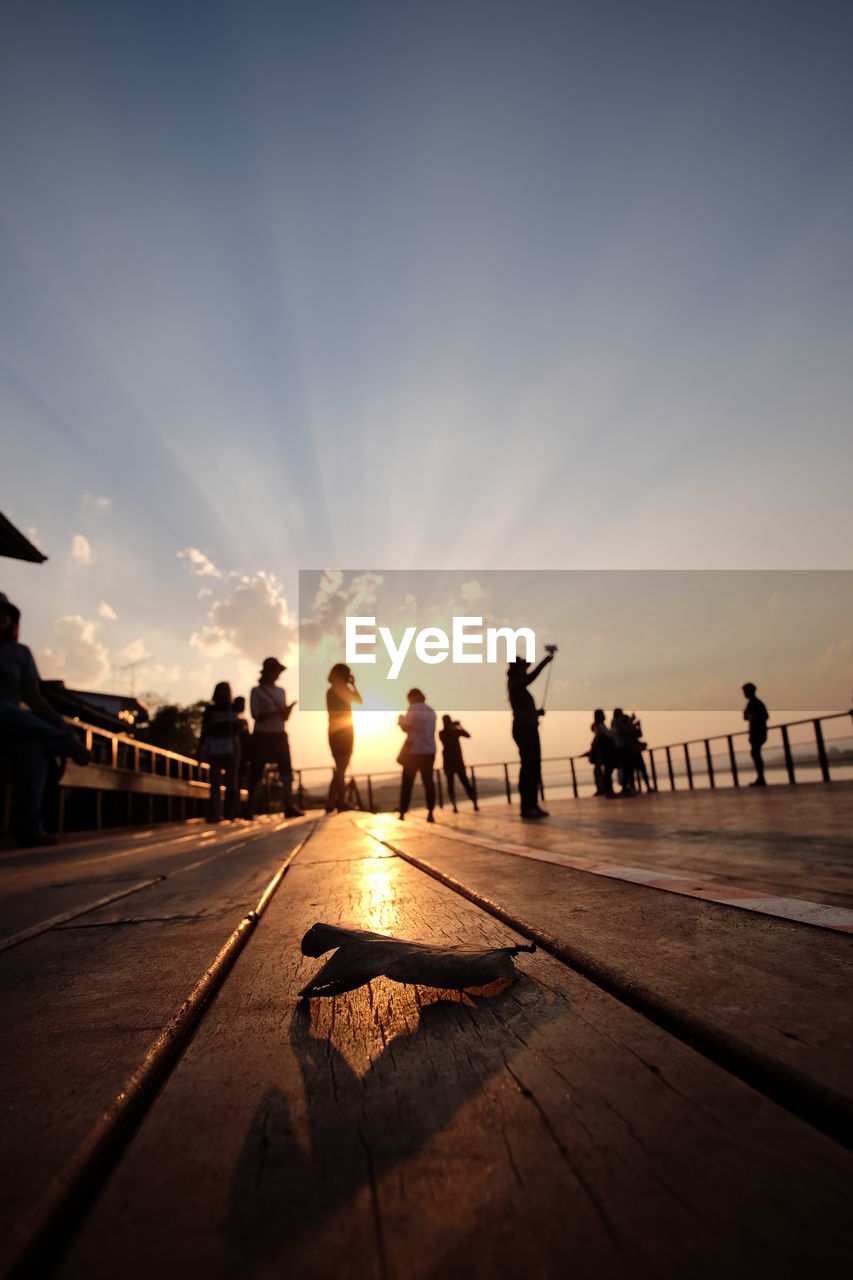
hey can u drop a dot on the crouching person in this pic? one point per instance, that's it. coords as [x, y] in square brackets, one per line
[29, 738]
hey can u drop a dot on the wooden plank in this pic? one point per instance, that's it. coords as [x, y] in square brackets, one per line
[397, 1131]
[781, 988]
[81, 1004]
[796, 843]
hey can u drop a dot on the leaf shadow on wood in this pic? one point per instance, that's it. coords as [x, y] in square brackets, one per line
[363, 1126]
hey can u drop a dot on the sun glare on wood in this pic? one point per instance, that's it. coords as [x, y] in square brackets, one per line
[378, 894]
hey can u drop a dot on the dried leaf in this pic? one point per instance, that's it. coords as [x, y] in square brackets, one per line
[360, 956]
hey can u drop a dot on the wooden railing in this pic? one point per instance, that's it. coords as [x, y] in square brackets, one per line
[132, 781]
[127, 781]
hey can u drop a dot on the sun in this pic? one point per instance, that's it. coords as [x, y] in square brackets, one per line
[371, 725]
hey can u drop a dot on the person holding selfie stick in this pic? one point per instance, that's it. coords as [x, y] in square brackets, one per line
[525, 730]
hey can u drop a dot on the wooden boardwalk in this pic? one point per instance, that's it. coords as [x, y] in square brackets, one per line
[666, 1087]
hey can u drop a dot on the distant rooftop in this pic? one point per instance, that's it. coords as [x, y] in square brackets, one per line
[114, 711]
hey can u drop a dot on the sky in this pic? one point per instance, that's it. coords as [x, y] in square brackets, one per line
[393, 286]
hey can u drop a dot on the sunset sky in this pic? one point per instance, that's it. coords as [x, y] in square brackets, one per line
[450, 285]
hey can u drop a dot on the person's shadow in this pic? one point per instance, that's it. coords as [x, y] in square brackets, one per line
[283, 1199]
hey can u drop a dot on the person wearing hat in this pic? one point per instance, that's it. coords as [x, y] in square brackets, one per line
[30, 738]
[340, 696]
[756, 715]
[525, 732]
[270, 712]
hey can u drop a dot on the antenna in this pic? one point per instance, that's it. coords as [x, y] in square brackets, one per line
[131, 667]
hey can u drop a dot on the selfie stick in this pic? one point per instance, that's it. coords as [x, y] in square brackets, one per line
[547, 683]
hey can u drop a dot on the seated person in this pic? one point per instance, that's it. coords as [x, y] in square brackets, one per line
[28, 738]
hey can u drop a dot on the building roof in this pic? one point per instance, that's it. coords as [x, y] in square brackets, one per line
[113, 711]
[14, 545]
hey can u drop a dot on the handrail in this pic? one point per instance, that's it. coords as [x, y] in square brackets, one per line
[740, 733]
[691, 767]
[194, 773]
[135, 745]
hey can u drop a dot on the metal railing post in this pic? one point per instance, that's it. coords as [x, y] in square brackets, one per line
[710, 763]
[574, 778]
[821, 751]
[689, 769]
[654, 770]
[370, 800]
[789, 759]
[474, 783]
[299, 790]
[508, 787]
[733, 760]
[669, 767]
[439, 788]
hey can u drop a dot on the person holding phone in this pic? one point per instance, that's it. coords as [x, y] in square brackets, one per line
[417, 755]
[270, 745]
[452, 762]
[340, 696]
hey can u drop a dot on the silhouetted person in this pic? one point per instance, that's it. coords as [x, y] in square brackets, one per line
[271, 712]
[340, 696]
[454, 765]
[620, 728]
[417, 754]
[245, 761]
[756, 715]
[525, 731]
[602, 754]
[637, 747]
[32, 738]
[220, 747]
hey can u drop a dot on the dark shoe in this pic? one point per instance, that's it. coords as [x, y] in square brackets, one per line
[430, 818]
[543, 813]
[401, 817]
[530, 815]
[476, 807]
[759, 782]
[292, 812]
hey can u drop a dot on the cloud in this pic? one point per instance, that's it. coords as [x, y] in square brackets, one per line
[75, 654]
[96, 502]
[107, 611]
[471, 591]
[136, 651]
[252, 622]
[199, 563]
[81, 550]
[837, 659]
[334, 600]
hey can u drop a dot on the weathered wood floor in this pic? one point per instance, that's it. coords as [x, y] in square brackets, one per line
[548, 1129]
